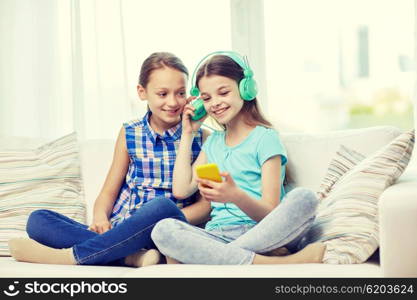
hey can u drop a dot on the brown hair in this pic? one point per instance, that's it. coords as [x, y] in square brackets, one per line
[223, 65]
[159, 60]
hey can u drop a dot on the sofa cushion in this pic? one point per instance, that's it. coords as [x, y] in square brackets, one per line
[46, 177]
[309, 154]
[344, 160]
[347, 220]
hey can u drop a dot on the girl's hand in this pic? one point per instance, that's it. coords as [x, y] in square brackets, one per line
[226, 191]
[188, 125]
[100, 226]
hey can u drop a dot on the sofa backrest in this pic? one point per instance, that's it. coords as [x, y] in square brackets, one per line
[309, 155]
[96, 158]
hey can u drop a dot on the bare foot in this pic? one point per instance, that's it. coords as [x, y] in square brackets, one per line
[282, 251]
[143, 258]
[16, 250]
[312, 253]
[171, 261]
[28, 250]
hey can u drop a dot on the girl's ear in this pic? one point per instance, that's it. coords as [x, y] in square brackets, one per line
[142, 92]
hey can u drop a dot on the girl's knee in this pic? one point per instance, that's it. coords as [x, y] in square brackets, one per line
[169, 208]
[35, 222]
[306, 197]
[162, 231]
[165, 201]
[37, 216]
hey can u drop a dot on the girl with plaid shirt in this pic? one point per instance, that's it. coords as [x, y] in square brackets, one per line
[137, 192]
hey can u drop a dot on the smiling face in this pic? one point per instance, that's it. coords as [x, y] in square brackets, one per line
[221, 97]
[165, 93]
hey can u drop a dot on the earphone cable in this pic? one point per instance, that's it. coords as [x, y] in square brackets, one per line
[232, 213]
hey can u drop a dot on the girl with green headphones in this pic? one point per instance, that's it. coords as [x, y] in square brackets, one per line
[250, 213]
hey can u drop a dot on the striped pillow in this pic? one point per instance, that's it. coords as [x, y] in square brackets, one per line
[44, 178]
[345, 160]
[347, 220]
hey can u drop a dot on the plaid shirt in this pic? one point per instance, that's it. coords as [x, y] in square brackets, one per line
[152, 158]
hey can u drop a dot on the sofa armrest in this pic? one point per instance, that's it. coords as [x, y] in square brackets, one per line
[398, 227]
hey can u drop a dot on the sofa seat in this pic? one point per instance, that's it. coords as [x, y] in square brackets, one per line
[11, 268]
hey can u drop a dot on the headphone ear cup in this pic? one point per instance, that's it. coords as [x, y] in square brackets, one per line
[194, 91]
[248, 88]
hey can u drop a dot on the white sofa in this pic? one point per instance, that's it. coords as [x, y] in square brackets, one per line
[309, 156]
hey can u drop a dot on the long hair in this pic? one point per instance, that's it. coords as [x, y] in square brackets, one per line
[223, 65]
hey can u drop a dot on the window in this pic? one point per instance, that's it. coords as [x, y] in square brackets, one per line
[339, 64]
[80, 60]
[189, 29]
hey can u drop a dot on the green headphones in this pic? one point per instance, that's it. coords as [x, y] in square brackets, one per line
[247, 86]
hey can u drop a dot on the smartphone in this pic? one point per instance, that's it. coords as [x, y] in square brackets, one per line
[209, 171]
[200, 111]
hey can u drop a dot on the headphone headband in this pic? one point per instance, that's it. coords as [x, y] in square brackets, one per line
[233, 55]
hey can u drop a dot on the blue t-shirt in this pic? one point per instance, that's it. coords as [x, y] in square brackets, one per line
[244, 163]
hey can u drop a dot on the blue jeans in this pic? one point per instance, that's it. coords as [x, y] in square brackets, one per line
[110, 248]
[287, 225]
